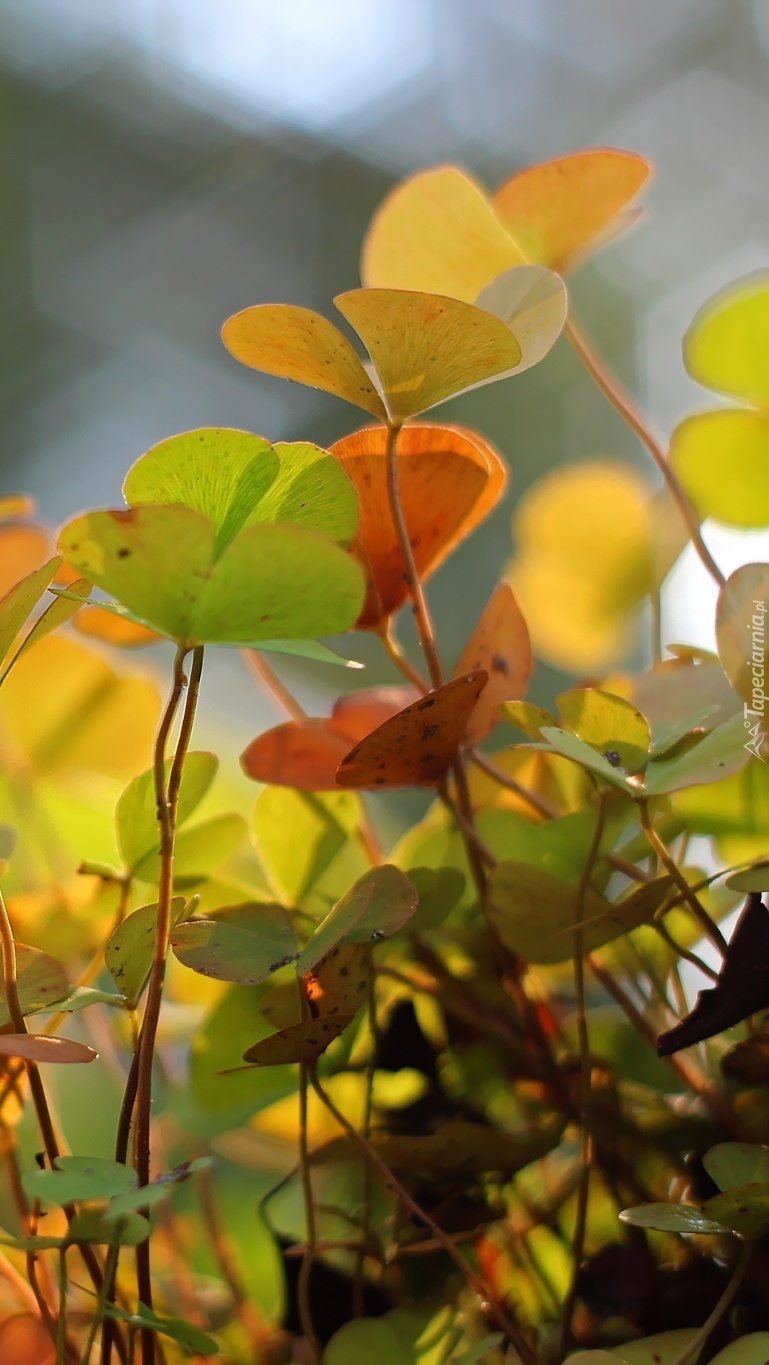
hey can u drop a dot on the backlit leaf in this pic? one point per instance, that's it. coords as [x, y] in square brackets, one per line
[136, 816]
[721, 459]
[114, 629]
[449, 479]
[717, 754]
[379, 904]
[727, 345]
[439, 891]
[559, 210]
[56, 614]
[742, 635]
[91, 1226]
[369, 1339]
[128, 954]
[270, 581]
[613, 726]
[341, 981]
[737, 1163]
[201, 849]
[20, 600]
[22, 550]
[297, 836]
[663, 1348]
[743, 1209]
[571, 746]
[752, 1349]
[40, 981]
[437, 231]
[295, 343]
[417, 746]
[236, 479]
[535, 912]
[303, 1042]
[246, 943]
[426, 348]
[532, 301]
[500, 645]
[193, 1339]
[525, 716]
[79, 1177]
[34, 1047]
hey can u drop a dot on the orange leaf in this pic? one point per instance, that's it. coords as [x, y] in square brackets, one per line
[307, 753]
[41, 1047]
[500, 645]
[295, 343]
[298, 1042]
[341, 981]
[560, 209]
[113, 629]
[22, 549]
[24, 1340]
[426, 348]
[449, 480]
[416, 747]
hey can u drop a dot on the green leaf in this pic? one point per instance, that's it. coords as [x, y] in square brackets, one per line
[663, 1348]
[202, 849]
[379, 904]
[269, 582]
[367, 1339]
[743, 1209]
[236, 479]
[299, 833]
[217, 1046]
[671, 1218]
[193, 1339]
[737, 1163]
[721, 459]
[40, 982]
[743, 637]
[727, 345]
[718, 754]
[136, 814]
[535, 913]
[56, 614]
[79, 1177]
[307, 649]
[426, 348]
[752, 1349]
[22, 598]
[439, 891]
[245, 943]
[754, 878]
[609, 724]
[297, 344]
[524, 715]
[80, 997]
[571, 746]
[91, 1226]
[33, 1243]
[8, 841]
[128, 954]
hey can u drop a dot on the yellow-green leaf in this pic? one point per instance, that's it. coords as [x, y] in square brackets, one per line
[741, 633]
[722, 460]
[727, 345]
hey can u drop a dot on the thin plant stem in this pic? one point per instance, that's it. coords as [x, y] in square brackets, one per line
[62, 1352]
[722, 1307]
[368, 1193]
[396, 653]
[268, 679]
[583, 1035]
[670, 865]
[623, 404]
[537, 803]
[167, 800]
[425, 628]
[254, 1327]
[495, 1310]
[305, 1270]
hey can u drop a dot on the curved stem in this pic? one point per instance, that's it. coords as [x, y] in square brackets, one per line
[623, 404]
[670, 865]
[730, 1293]
[395, 652]
[411, 573]
[305, 1270]
[269, 680]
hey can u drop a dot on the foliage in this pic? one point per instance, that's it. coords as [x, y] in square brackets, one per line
[440, 1102]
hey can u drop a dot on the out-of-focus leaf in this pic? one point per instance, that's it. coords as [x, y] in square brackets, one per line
[417, 746]
[499, 645]
[136, 814]
[560, 210]
[716, 456]
[462, 1146]
[26, 1340]
[20, 600]
[191, 1338]
[79, 1177]
[268, 582]
[299, 1042]
[379, 904]
[91, 1226]
[439, 891]
[449, 479]
[743, 641]
[56, 614]
[613, 726]
[533, 303]
[40, 981]
[671, 1218]
[114, 629]
[128, 954]
[426, 348]
[752, 1349]
[663, 1348]
[297, 836]
[727, 344]
[201, 849]
[737, 1163]
[369, 1339]
[245, 944]
[743, 1209]
[295, 343]
[22, 550]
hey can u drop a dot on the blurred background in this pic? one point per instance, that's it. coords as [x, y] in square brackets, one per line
[169, 162]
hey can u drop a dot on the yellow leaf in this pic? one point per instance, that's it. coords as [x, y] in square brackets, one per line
[727, 345]
[722, 460]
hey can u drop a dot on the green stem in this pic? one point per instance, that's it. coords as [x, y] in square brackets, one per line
[670, 865]
[305, 1270]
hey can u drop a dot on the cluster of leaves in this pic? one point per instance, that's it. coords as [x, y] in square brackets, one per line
[448, 1081]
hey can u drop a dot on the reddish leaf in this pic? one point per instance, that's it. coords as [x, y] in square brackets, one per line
[24, 1340]
[113, 629]
[40, 1047]
[499, 644]
[416, 747]
[449, 480]
[307, 753]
